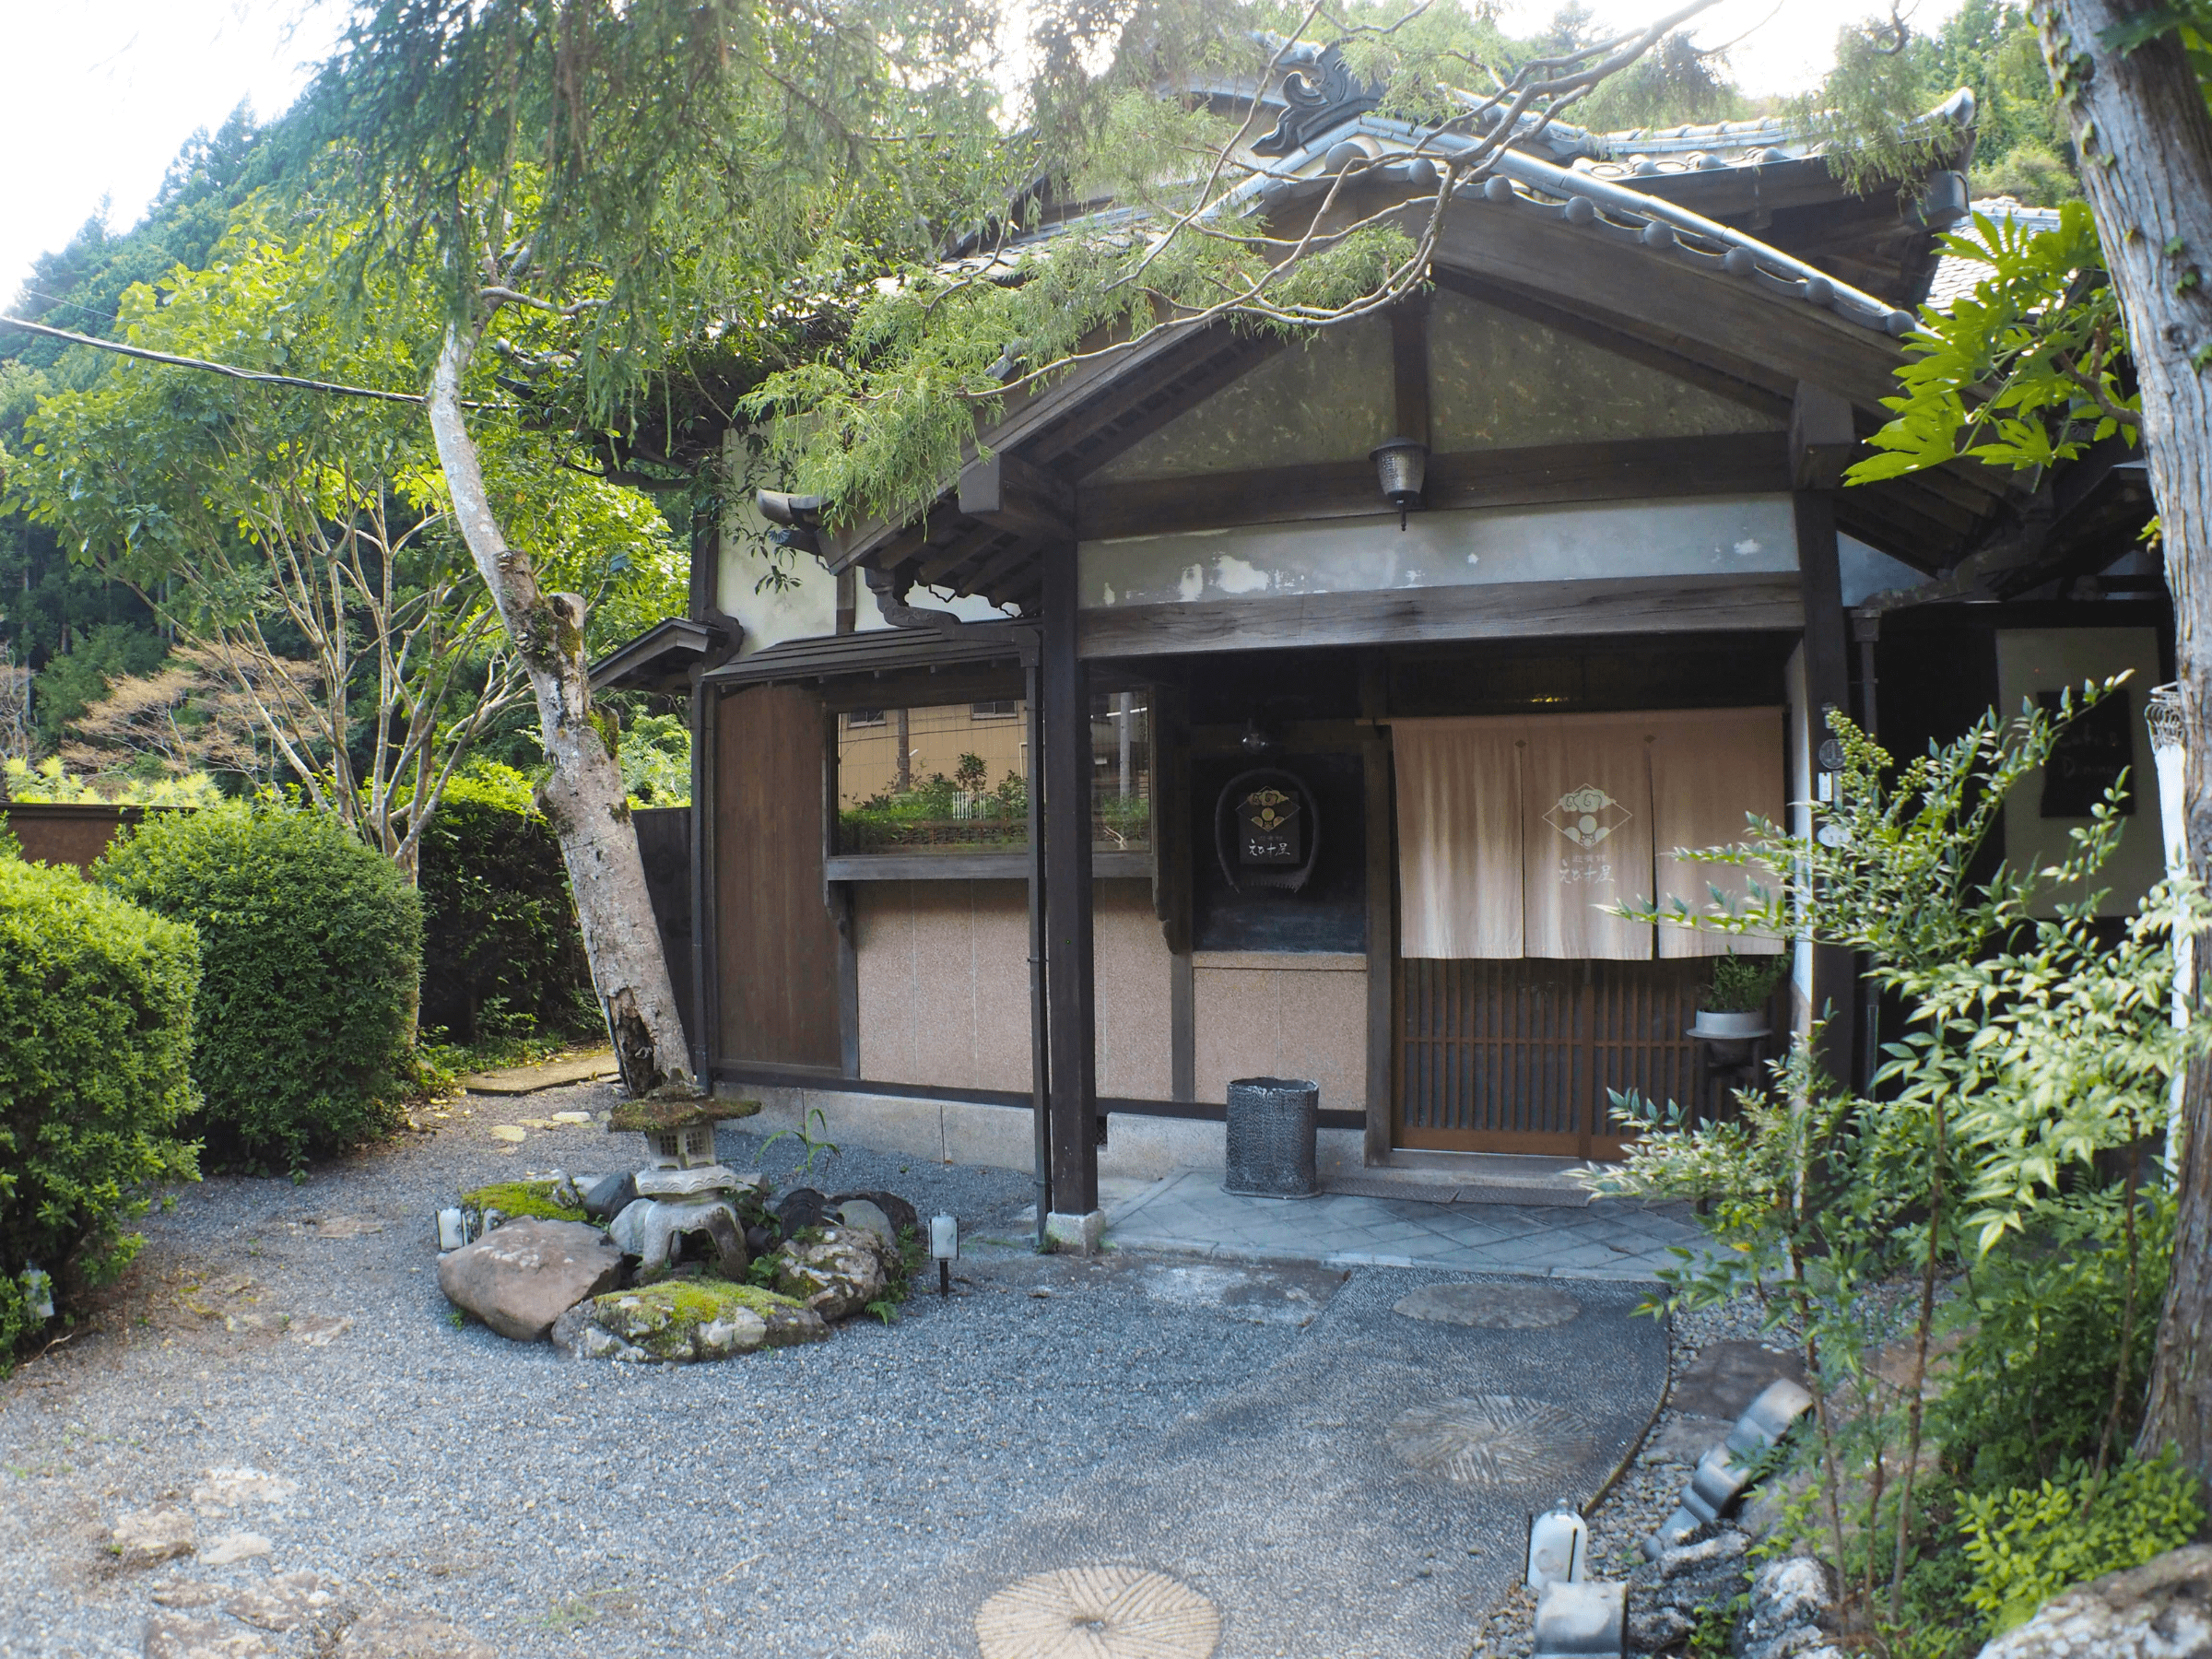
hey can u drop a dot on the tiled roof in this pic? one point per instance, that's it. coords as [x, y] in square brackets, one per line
[1955, 277]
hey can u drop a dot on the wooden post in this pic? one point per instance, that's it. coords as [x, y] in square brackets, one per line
[1382, 914]
[1828, 685]
[1070, 1000]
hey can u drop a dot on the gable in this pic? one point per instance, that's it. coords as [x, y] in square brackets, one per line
[1498, 382]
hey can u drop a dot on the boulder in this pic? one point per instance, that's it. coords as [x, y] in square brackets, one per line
[523, 1277]
[2159, 1610]
[682, 1321]
[801, 1207]
[837, 1275]
[607, 1197]
[896, 1210]
[1791, 1601]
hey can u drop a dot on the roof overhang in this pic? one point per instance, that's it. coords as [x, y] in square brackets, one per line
[661, 658]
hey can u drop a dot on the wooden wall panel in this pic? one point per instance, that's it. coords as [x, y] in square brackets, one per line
[776, 948]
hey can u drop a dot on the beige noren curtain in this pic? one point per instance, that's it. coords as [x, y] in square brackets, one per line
[1514, 831]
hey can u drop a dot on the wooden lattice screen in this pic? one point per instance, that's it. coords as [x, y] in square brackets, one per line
[1519, 1055]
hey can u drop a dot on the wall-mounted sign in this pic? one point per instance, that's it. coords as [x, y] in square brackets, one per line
[1266, 830]
[2089, 756]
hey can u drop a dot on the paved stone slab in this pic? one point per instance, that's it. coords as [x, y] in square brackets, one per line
[551, 1074]
[1188, 1213]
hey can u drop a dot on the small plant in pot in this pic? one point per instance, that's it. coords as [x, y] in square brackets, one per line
[1733, 1006]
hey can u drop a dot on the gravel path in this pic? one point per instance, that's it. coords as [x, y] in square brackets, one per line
[763, 1505]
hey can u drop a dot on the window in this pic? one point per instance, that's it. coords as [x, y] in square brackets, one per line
[865, 717]
[1006, 708]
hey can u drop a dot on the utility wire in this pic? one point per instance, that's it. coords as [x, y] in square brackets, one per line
[211, 368]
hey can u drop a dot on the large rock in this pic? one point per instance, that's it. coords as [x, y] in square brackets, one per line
[2159, 1610]
[410, 1633]
[525, 1275]
[837, 1274]
[1792, 1602]
[682, 1321]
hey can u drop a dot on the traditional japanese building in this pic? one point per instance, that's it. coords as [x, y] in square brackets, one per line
[1252, 706]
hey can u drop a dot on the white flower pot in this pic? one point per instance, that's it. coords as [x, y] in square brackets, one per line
[1728, 1027]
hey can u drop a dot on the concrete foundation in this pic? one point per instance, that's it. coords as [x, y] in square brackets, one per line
[1075, 1235]
[1138, 1148]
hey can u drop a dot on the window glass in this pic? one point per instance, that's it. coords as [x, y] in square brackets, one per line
[953, 777]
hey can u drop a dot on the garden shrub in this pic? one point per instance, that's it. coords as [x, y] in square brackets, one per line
[310, 944]
[2029, 1543]
[500, 944]
[96, 1009]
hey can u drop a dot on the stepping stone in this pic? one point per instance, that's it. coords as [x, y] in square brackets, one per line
[169, 1636]
[228, 1548]
[552, 1074]
[145, 1537]
[1727, 1376]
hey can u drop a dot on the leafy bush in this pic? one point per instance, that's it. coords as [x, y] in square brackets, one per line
[2029, 1543]
[500, 944]
[310, 948]
[47, 781]
[2031, 1387]
[1742, 985]
[655, 751]
[96, 1004]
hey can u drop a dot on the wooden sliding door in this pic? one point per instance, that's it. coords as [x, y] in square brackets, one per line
[1519, 1054]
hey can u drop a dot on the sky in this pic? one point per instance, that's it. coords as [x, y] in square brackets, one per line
[102, 95]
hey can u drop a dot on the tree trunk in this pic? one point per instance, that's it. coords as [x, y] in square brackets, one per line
[2145, 142]
[584, 799]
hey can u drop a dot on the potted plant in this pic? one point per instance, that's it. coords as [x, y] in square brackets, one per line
[1733, 1006]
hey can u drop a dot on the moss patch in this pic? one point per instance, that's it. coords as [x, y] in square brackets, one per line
[649, 1115]
[532, 1198]
[680, 1319]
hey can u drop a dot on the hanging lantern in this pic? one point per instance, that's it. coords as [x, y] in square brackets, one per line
[1401, 466]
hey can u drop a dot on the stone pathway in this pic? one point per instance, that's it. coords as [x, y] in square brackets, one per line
[1189, 1212]
[559, 1073]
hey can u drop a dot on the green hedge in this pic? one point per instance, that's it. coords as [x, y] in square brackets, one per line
[310, 949]
[96, 1008]
[500, 944]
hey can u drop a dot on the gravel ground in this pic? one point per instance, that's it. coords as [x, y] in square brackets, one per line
[548, 1507]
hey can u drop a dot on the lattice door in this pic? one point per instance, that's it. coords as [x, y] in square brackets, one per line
[1519, 1055]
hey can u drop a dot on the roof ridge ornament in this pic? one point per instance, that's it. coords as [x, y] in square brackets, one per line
[1319, 93]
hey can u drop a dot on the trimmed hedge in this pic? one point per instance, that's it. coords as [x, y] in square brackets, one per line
[500, 944]
[311, 945]
[96, 1009]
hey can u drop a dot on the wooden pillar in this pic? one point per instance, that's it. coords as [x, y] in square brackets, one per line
[1835, 993]
[1070, 1005]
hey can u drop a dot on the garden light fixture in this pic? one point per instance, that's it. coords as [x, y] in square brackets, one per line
[945, 1246]
[1401, 466]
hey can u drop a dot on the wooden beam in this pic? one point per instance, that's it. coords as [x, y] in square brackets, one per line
[1642, 605]
[1381, 917]
[1627, 469]
[1006, 492]
[1409, 365]
[1072, 1035]
[1823, 438]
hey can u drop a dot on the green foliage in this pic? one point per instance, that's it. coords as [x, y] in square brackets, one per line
[96, 1018]
[501, 950]
[939, 812]
[816, 1145]
[2029, 1543]
[2045, 1323]
[655, 753]
[74, 680]
[310, 948]
[1742, 985]
[2023, 372]
[2036, 1051]
[48, 781]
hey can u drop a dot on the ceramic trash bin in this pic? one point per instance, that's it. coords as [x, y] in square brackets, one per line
[1272, 1124]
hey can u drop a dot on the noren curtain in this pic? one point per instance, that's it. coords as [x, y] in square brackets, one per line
[1514, 833]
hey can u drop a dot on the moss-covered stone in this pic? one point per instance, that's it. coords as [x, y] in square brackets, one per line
[684, 1320]
[665, 1114]
[532, 1198]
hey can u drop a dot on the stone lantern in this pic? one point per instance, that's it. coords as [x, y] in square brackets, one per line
[684, 1190]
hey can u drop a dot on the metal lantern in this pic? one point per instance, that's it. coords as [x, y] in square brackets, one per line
[1401, 466]
[945, 1246]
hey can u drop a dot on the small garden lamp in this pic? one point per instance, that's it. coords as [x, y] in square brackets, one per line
[1401, 467]
[945, 1248]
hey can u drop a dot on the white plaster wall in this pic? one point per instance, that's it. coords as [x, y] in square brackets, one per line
[2033, 659]
[1258, 1013]
[945, 986]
